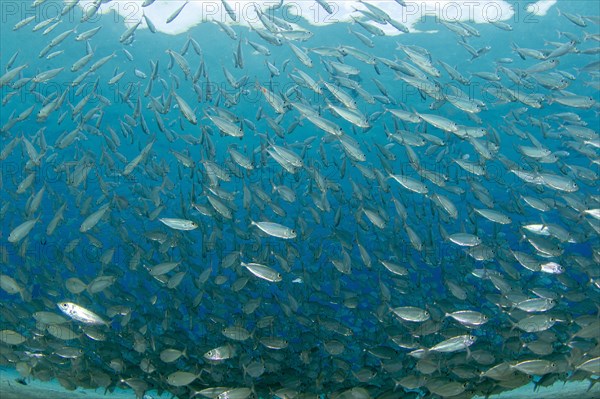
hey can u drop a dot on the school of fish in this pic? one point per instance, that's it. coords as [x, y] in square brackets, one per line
[280, 211]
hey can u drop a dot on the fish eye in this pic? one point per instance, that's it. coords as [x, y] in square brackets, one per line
[63, 305]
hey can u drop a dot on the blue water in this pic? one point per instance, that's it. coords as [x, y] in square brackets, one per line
[311, 297]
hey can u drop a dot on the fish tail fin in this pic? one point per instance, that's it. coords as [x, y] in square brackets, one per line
[257, 85]
[592, 383]
[544, 224]
[396, 384]
[25, 294]
[273, 186]
[513, 326]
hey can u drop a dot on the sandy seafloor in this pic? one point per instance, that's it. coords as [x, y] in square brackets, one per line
[10, 389]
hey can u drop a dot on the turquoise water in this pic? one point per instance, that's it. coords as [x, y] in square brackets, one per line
[365, 243]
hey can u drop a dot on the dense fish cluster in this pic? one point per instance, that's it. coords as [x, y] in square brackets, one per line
[292, 211]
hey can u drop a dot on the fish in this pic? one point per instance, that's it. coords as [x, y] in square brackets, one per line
[179, 224]
[185, 109]
[275, 229]
[93, 219]
[302, 55]
[469, 318]
[226, 126]
[372, 29]
[229, 9]
[411, 184]
[11, 337]
[535, 366]
[176, 13]
[81, 314]
[181, 378]
[221, 353]
[88, 34]
[263, 272]
[326, 6]
[170, 355]
[22, 230]
[465, 239]
[411, 313]
[454, 344]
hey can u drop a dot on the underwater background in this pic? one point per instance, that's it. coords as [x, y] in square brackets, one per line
[304, 201]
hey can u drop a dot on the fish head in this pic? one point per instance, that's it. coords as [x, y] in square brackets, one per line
[65, 307]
